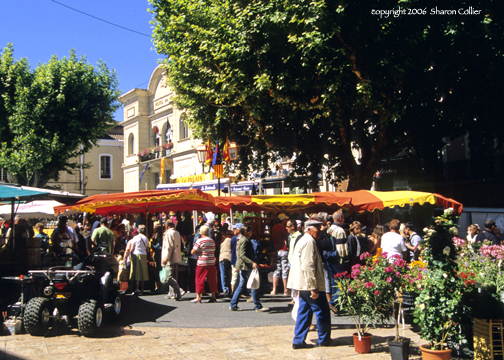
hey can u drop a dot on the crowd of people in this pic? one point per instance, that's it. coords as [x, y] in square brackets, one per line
[307, 254]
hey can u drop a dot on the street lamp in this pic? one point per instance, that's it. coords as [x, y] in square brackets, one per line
[218, 168]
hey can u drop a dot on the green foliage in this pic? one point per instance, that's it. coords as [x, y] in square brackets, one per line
[51, 114]
[368, 293]
[440, 309]
[319, 79]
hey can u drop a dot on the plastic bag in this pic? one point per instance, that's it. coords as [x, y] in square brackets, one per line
[295, 308]
[253, 280]
[163, 275]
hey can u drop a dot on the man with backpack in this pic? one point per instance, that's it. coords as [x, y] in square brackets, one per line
[338, 260]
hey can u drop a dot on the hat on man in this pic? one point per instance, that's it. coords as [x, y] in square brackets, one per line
[237, 226]
[312, 223]
[282, 217]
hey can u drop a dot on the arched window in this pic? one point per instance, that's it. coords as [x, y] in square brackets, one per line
[184, 130]
[131, 144]
[168, 133]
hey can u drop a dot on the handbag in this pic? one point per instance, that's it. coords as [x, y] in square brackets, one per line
[164, 275]
[253, 280]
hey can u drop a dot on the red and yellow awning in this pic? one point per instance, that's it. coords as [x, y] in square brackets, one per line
[314, 202]
[361, 200]
[143, 201]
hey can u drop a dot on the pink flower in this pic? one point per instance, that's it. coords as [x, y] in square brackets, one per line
[400, 263]
[420, 276]
[412, 281]
[398, 273]
[365, 255]
[389, 279]
[368, 285]
[389, 269]
[351, 290]
[384, 254]
[406, 276]
[377, 292]
[395, 256]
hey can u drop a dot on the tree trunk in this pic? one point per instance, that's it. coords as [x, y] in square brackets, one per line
[360, 181]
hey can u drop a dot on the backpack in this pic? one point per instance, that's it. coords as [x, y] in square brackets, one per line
[256, 245]
[341, 247]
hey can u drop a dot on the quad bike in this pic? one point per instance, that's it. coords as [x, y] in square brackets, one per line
[64, 293]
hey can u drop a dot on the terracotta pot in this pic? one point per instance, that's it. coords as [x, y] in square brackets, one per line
[428, 354]
[362, 346]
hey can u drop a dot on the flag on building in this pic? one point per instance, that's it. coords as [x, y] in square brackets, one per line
[145, 168]
[208, 160]
[216, 155]
[225, 151]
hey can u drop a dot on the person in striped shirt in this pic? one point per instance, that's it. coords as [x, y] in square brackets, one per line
[204, 247]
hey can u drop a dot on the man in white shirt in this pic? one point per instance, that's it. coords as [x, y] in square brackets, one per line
[307, 277]
[392, 242]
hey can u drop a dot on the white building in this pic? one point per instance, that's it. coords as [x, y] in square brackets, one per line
[156, 139]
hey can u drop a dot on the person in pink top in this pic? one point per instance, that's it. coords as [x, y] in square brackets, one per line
[204, 247]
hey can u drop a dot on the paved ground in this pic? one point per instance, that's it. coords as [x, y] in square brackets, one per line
[192, 343]
[152, 327]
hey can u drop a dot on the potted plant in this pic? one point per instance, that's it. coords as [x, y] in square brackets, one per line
[439, 307]
[367, 294]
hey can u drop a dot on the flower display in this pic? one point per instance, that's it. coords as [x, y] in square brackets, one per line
[440, 308]
[369, 291]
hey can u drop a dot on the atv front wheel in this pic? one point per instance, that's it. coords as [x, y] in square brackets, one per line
[37, 316]
[117, 305]
[90, 318]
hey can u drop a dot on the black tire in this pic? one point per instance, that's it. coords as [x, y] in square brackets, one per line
[37, 316]
[90, 318]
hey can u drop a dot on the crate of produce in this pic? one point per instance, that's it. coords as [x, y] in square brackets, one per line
[488, 339]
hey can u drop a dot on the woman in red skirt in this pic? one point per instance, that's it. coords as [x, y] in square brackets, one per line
[204, 247]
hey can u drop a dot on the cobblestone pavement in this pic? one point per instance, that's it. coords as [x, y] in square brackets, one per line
[136, 342]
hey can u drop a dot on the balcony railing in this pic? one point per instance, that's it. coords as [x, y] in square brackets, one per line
[150, 154]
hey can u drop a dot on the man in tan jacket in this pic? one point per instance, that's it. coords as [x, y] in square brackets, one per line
[171, 257]
[307, 277]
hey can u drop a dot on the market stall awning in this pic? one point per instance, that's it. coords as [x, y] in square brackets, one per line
[32, 209]
[143, 201]
[10, 192]
[364, 200]
[361, 200]
[314, 202]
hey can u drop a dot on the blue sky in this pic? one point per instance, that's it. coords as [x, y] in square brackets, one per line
[39, 29]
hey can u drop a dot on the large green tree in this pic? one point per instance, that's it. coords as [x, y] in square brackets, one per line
[339, 84]
[51, 114]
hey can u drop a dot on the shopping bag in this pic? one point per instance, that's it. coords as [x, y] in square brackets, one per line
[164, 275]
[295, 308]
[253, 280]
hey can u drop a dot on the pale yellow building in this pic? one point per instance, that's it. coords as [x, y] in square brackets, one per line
[105, 174]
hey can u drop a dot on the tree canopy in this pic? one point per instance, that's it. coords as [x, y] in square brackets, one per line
[52, 114]
[337, 84]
